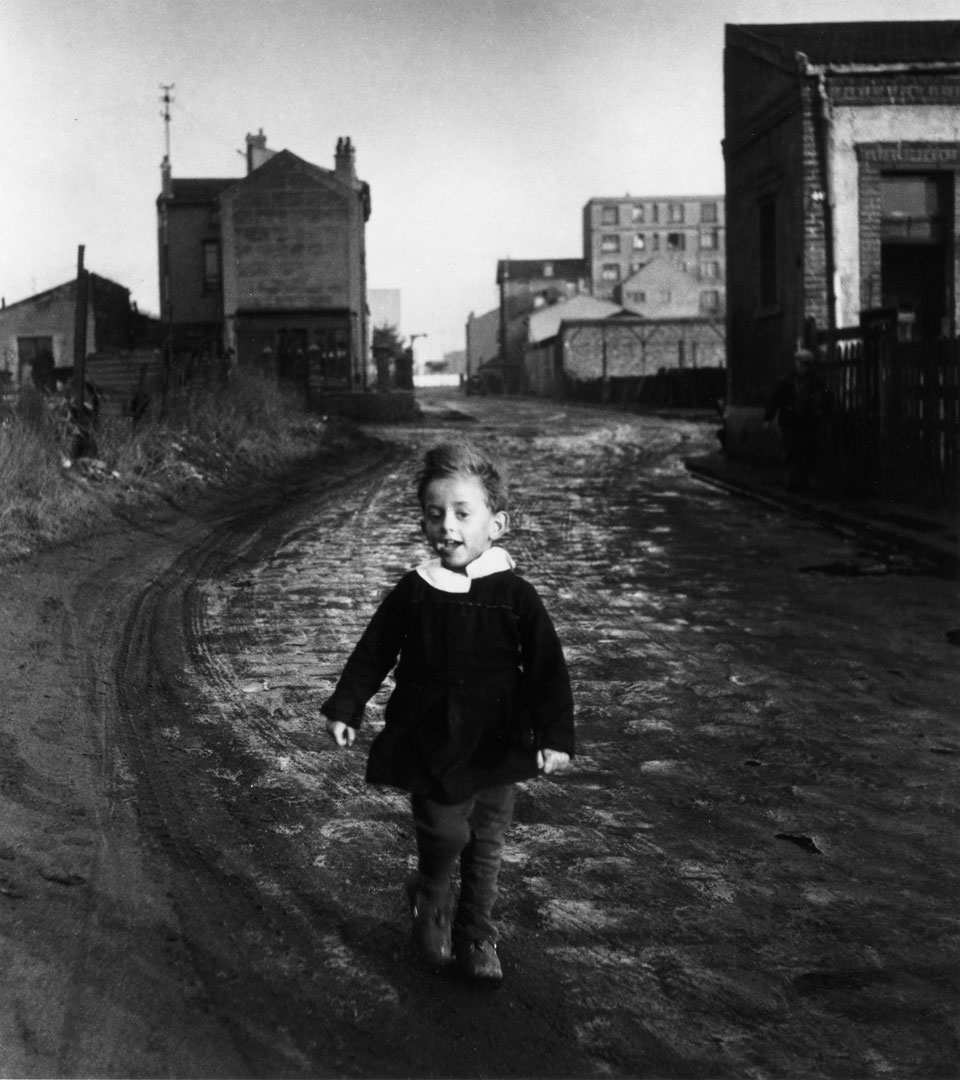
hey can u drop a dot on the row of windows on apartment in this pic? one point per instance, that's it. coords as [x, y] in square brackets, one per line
[673, 213]
[674, 241]
[709, 298]
[706, 271]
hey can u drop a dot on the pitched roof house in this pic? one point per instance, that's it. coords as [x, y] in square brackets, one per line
[271, 266]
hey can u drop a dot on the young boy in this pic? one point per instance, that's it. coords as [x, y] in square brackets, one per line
[482, 700]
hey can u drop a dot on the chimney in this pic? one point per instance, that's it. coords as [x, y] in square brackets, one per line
[345, 161]
[166, 183]
[257, 152]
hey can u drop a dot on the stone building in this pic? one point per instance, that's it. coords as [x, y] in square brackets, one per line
[271, 267]
[842, 149]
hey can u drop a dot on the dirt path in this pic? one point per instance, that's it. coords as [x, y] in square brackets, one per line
[96, 974]
[748, 872]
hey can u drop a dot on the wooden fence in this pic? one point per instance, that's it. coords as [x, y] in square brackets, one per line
[894, 427]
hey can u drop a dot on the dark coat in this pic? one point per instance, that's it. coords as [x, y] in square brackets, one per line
[799, 402]
[481, 686]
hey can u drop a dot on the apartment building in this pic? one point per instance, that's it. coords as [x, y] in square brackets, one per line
[622, 236]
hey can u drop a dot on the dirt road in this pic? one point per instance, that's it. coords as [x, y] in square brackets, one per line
[750, 871]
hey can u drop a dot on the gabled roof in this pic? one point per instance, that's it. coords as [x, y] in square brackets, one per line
[660, 269]
[862, 42]
[67, 288]
[285, 160]
[544, 323]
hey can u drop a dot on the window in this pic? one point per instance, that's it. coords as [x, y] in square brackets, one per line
[638, 215]
[665, 296]
[637, 296]
[912, 208]
[655, 212]
[211, 265]
[709, 301]
[708, 239]
[639, 242]
[548, 269]
[609, 216]
[675, 213]
[610, 272]
[708, 213]
[710, 271]
[767, 265]
[636, 266]
[676, 241]
[610, 242]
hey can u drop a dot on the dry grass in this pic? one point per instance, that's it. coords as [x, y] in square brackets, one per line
[204, 436]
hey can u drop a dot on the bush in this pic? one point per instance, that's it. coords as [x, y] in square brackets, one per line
[202, 434]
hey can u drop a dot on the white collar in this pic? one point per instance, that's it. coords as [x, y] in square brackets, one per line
[492, 561]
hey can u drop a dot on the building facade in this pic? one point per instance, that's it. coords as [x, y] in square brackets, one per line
[622, 236]
[271, 267]
[483, 340]
[37, 334]
[842, 152]
[526, 285]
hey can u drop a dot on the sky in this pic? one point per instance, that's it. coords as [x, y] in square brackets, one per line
[482, 126]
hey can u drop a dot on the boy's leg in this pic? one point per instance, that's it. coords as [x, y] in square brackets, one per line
[480, 864]
[442, 833]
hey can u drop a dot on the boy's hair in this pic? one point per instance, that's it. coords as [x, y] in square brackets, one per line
[463, 459]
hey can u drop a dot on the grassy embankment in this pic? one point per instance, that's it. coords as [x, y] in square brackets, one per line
[215, 437]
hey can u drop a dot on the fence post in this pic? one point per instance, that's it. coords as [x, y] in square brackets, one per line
[80, 334]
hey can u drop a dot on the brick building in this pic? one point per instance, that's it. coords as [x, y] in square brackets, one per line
[842, 149]
[622, 236]
[271, 266]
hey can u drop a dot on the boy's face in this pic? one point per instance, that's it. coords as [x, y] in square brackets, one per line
[458, 522]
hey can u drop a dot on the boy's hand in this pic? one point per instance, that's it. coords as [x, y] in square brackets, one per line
[549, 761]
[340, 733]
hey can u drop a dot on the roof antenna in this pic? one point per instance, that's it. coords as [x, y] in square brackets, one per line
[166, 99]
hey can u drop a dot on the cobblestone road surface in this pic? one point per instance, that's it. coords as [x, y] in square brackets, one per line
[751, 869]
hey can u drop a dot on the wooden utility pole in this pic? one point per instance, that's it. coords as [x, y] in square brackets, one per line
[80, 334]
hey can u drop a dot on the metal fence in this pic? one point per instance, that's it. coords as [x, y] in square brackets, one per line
[894, 427]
